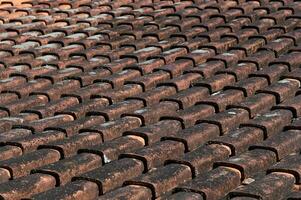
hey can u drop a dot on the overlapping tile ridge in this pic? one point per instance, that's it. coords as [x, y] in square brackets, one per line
[149, 99]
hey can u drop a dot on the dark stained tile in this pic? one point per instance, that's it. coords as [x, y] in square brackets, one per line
[147, 66]
[260, 58]
[227, 120]
[188, 97]
[54, 92]
[16, 107]
[273, 186]
[155, 132]
[239, 140]
[151, 80]
[202, 159]
[154, 96]
[239, 71]
[185, 196]
[114, 129]
[85, 190]
[153, 114]
[250, 162]
[289, 165]
[214, 184]
[195, 136]
[271, 122]
[65, 169]
[72, 128]
[182, 82]
[32, 142]
[120, 94]
[41, 124]
[27, 186]
[220, 100]
[208, 69]
[249, 86]
[291, 105]
[70, 146]
[272, 74]
[286, 143]
[155, 155]
[22, 165]
[256, 104]
[115, 111]
[294, 196]
[164, 179]
[114, 174]
[130, 192]
[14, 134]
[86, 92]
[9, 151]
[217, 82]
[111, 150]
[80, 110]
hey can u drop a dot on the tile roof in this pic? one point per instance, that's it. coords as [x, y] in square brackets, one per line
[149, 99]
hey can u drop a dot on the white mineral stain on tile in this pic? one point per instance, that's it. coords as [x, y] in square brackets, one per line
[236, 159]
[163, 42]
[95, 37]
[6, 80]
[20, 130]
[148, 49]
[228, 54]
[123, 17]
[94, 59]
[51, 46]
[106, 159]
[289, 80]
[123, 72]
[200, 51]
[107, 124]
[284, 81]
[237, 133]
[173, 50]
[6, 42]
[77, 36]
[47, 58]
[26, 45]
[216, 93]
[91, 29]
[50, 118]
[271, 114]
[53, 35]
[140, 111]
[69, 69]
[14, 119]
[32, 33]
[71, 46]
[248, 181]
[48, 67]
[278, 40]
[148, 61]
[20, 68]
[232, 113]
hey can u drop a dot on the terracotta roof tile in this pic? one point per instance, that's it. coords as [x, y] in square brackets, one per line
[140, 99]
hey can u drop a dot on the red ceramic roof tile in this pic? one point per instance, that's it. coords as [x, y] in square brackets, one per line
[141, 99]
